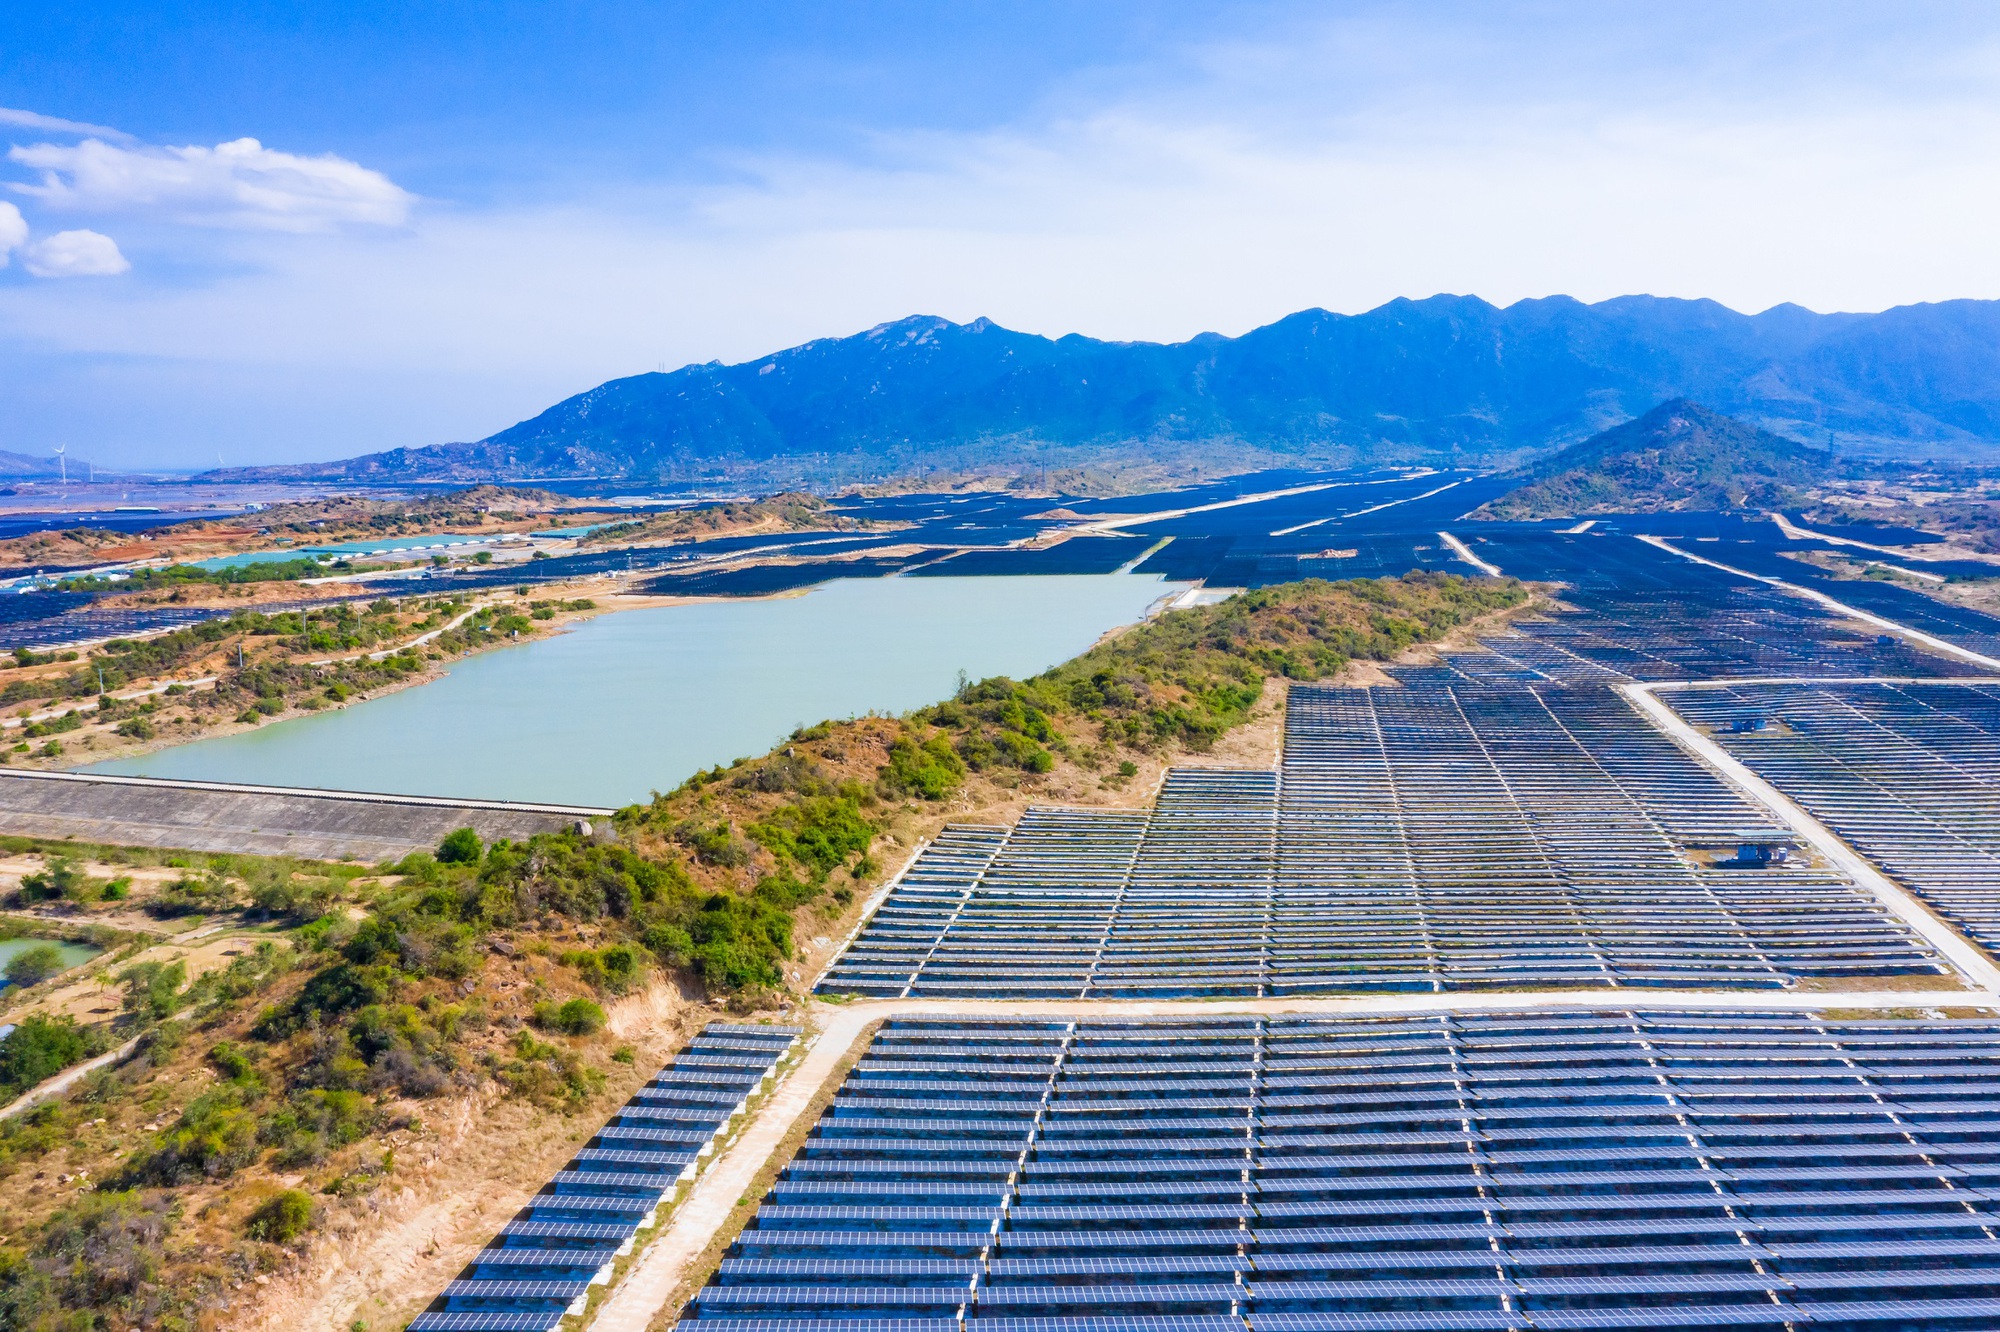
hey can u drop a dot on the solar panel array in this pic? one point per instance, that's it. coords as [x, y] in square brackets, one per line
[1435, 836]
[1580, 1170]
[543, 1263]
[1908, 774]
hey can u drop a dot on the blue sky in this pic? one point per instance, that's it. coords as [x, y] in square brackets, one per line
[273, 233]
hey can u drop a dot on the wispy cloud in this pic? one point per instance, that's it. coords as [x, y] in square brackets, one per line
[13, 231]
[239, 184]
[70, 254]
[34, 120]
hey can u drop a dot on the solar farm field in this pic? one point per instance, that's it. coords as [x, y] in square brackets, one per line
[543, 1263]
[1488, 1005]
[1907, 773]
[1602, 1170]
[1435, 836]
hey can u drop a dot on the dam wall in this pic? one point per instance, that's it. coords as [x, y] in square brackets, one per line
[260, 820]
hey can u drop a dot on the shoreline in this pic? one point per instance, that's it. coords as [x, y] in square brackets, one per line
[107, 746]
[241, 762]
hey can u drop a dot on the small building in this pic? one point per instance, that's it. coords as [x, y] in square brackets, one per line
[1761, 855]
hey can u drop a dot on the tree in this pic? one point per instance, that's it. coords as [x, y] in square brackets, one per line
[39, 1048]
[35, 964]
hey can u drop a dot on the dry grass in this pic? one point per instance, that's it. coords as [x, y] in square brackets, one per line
[1882, 984]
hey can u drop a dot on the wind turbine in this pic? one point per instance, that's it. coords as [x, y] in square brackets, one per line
[61, 449]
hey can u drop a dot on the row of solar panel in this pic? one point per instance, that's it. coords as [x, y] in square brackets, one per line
[543, 1263]
[1634, 611]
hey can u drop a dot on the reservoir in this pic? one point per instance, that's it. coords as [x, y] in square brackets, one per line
[637, 701]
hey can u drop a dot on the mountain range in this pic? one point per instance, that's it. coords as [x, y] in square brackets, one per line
[1449, 379]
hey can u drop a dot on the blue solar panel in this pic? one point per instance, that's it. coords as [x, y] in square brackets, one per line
[1537, 1187]
[622, 1177]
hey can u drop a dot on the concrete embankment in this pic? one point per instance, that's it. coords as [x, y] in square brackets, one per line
[264, 820]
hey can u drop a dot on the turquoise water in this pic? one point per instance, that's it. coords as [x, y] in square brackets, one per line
[384, 545]
[381, 546]
[74, 954]
[586, 529]
[629, 703]
[254, 557]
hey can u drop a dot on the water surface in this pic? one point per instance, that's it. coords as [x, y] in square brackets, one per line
[378, 546]
[629, 703]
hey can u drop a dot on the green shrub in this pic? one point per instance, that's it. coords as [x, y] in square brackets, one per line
[461, 847]
[548, 1074]
[60, 878]
[670, 943]
[576, 1017]
[818, 833]
[283, 1217]
[191, 895]
[153, 989]
[315, 1122]
[622, 967]
[931, 770]
[230, 1060]
[215, 1136]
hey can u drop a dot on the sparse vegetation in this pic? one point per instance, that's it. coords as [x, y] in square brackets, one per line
[791, 510]
[1186, 678]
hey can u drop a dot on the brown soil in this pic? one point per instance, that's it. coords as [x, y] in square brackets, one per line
[233, 596]
[473, 1162]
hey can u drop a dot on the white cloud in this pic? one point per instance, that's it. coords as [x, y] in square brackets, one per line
[13, 231]
[75, 254]
[57, 125]
[236, 184]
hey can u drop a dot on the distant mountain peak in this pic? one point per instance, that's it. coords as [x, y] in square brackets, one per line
[1678, 457]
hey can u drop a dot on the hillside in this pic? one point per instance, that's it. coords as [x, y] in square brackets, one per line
[24, 466]
[1678, 457]
[1450, 379]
